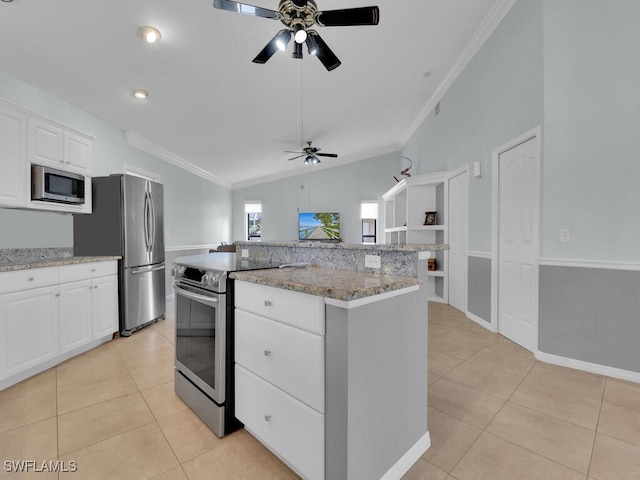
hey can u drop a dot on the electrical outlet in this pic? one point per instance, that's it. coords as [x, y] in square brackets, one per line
[565, 235]
[372, 261]
[245, 253]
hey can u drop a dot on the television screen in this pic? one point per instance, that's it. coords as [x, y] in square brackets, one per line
[319, 226]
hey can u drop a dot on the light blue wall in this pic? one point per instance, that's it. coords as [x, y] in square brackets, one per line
[592, 129]
[338, 189]
[197, 212]
[498, 96]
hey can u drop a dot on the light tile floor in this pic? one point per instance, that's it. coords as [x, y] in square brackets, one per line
[494, 413]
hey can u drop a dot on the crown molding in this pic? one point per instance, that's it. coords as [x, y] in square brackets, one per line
[156, 150]
[486, 28]
[322, 166]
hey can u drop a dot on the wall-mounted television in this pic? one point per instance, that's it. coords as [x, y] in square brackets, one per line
[323, 227]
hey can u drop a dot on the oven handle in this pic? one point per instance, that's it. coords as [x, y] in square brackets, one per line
[211, 301]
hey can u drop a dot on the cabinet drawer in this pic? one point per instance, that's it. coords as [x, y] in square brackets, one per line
[83, 271]
[290, 358]
[28, 279]
[293, 308]
[291, 429]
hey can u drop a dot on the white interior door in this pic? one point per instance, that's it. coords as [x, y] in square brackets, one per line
[458, 227]
[518, 243]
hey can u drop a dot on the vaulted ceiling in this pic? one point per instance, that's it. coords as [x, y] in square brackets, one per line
[209, 105]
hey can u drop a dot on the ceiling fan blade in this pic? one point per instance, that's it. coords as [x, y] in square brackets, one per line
[299, 156]
[332, 155]
[268, 51]
[246, 9]
[291, 151]
[324, 53]
[348, 17]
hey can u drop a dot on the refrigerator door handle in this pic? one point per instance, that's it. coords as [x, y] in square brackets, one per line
[152, 234]
[147, 214]
[153, 268]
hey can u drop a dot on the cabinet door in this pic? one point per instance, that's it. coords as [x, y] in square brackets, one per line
[28, 329]
[13, 181]
[44, 144]
[75, 315]
[77, 153]
[104, 301]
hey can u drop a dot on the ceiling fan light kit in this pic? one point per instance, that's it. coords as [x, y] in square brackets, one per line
[311, 154]
[299, 16]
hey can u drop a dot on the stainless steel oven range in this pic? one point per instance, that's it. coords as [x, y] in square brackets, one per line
[204, 336]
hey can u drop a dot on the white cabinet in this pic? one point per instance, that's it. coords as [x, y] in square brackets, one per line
[50, 314]
[104, 307]
[75, 315]
[406, 206]
[28, 329]
[13, 180]
[56, 146]
[27, 138]
[280, 376]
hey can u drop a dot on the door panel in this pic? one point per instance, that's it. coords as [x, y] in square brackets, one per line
[156, 192]
[457, 226]
[135, 218]
[75, 315]
[144, 295]
[518, 187]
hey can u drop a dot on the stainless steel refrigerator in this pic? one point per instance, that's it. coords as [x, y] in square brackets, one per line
[128, 221]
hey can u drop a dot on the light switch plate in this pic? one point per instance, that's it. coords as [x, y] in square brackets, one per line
[477, 170]
[372, 261]
[565, 235]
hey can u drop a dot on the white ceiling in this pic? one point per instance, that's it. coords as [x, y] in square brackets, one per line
[211, 106]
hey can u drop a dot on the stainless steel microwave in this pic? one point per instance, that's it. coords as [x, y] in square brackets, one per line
[51, 185]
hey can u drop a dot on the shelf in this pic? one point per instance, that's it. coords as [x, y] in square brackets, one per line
[428, 228]
[436, 273]
[395, 229]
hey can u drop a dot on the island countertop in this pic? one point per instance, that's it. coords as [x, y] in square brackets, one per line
[349, 246]
[344, 285]
[52, 262]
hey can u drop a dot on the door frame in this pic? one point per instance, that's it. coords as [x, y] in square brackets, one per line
[448, 178]
[534, 133]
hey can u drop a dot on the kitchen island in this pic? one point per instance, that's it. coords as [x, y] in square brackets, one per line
[331, 363]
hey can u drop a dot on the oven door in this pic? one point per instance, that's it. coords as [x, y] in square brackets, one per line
[200, 340]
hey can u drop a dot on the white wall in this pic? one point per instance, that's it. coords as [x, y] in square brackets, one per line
[339, 189]
[498, 96]
[197, 212]
[592, 129]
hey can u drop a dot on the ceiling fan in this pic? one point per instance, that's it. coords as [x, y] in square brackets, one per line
[311, 154]
[299, 16]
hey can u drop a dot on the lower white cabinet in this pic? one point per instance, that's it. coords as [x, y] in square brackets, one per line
[28, 329]
[280, 373]
[47, 315]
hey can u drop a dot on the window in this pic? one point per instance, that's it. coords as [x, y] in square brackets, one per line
[253, 223]
[369, 216]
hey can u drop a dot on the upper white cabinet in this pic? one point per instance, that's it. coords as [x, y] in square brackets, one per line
[27, 138]
[406, 208]
[13, 181]
[58, 147]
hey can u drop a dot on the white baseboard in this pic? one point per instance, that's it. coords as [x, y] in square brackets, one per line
[481, 322]
[588, 367]
[405, 463]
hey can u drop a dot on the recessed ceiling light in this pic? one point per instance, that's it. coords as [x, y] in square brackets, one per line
[140, 94]
[149, 34]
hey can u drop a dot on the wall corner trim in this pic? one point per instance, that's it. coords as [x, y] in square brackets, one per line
[157, 151]
[588, 367]
[481, 321]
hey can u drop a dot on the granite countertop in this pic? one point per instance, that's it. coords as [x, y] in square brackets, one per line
[343, 285]
[350, 246]
[52, 262]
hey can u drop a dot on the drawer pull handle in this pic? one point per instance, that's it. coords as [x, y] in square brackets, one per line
[267, 418]
[31, 279]
[268, 303]
[90, 287]
[57, 295]
[267, 353]
[93, 269]
[96, 286]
